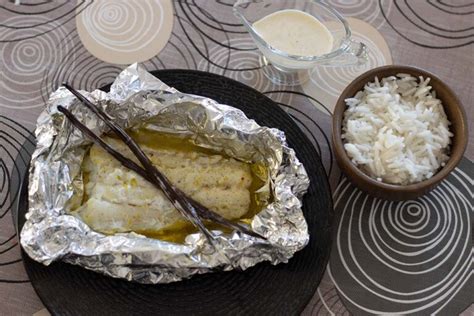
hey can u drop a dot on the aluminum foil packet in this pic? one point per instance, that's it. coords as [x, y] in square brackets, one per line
[136, 97]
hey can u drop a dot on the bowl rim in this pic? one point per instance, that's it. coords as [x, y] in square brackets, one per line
[341, 153]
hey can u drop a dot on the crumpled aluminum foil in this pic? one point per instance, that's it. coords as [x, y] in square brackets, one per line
[51, 233]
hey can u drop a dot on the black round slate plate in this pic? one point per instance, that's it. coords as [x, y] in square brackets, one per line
[284, 289]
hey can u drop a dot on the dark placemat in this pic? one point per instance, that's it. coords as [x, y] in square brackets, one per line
[406, 257]
[284, 289]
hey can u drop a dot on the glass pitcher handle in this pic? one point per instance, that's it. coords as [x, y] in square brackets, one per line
[355, 54]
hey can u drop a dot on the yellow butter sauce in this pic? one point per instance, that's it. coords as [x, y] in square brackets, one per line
[178, 231]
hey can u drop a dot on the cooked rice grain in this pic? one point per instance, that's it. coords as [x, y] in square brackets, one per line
[396, 130]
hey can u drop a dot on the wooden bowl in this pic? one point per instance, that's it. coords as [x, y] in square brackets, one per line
[454, 111]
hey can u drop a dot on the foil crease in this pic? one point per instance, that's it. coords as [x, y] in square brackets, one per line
[51, 233]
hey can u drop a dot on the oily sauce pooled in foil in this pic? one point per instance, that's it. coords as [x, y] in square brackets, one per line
[117, 200]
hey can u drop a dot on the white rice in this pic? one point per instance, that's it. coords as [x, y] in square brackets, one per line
[396, 131]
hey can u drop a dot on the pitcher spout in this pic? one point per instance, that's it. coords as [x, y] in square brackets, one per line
[297, 36]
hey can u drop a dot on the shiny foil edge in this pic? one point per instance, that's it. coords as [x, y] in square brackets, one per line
[51, 234]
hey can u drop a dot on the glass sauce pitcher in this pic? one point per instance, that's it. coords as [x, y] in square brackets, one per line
[285, 69]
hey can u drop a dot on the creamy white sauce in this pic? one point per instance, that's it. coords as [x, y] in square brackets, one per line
[295, 32]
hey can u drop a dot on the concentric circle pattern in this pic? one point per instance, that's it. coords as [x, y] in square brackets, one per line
[204, 21]
[78, 67]
[25, 64]
[382, 246]
[424, 25]
[367, 10]
[391, 257]
[327, 83]
[123, 32]
[41, 16]
[15, 151]
[237, 64]
[202, 15]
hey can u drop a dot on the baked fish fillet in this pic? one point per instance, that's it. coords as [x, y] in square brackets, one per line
[119, 200]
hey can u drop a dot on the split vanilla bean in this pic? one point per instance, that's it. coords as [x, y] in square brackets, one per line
[188, 207]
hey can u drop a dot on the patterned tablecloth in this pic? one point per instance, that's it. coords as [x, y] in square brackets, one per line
[408, 257]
